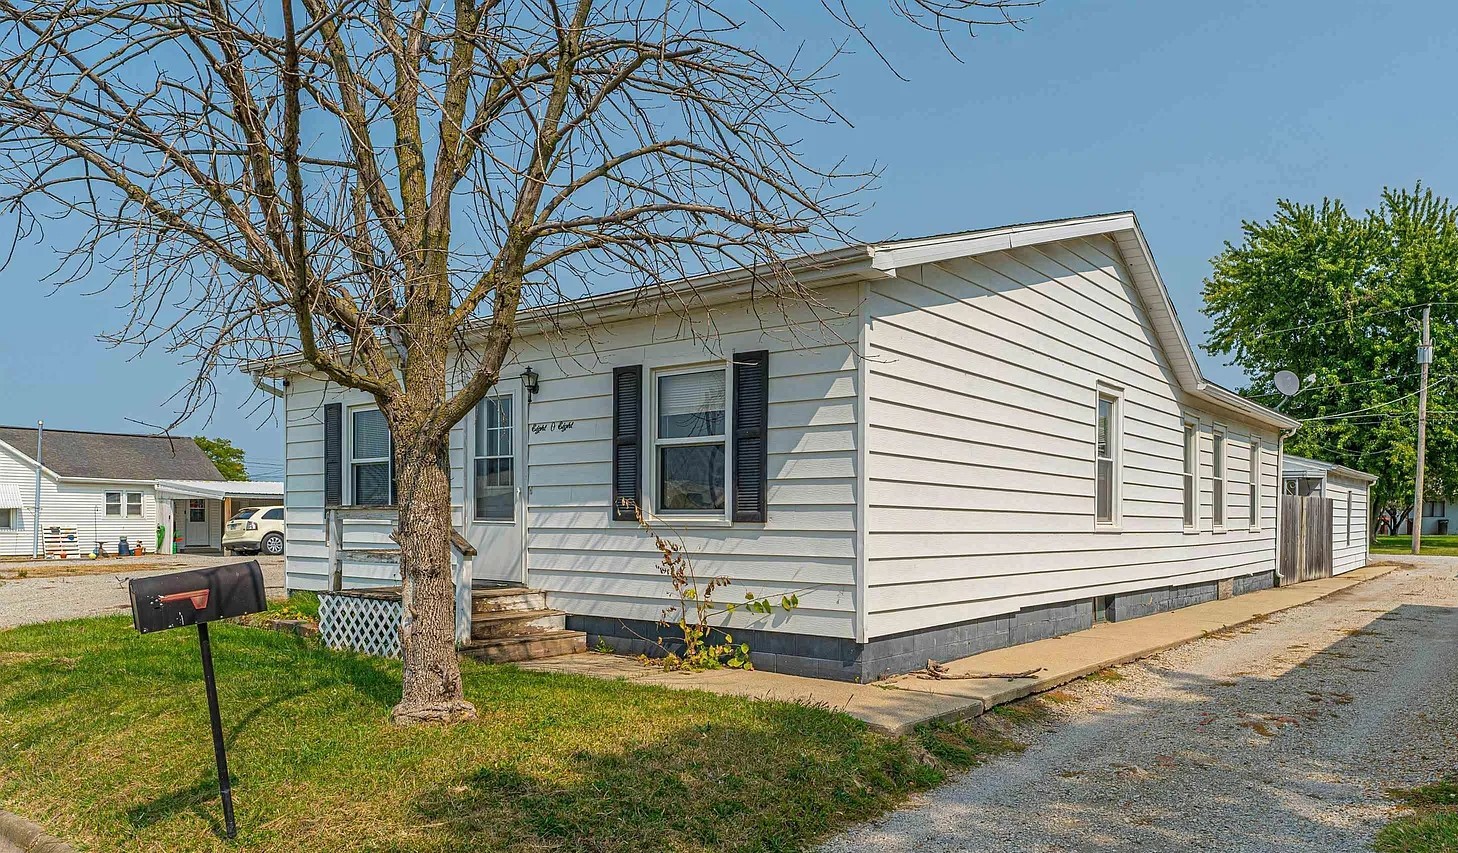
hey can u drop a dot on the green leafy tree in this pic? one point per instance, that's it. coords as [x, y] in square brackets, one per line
[1325, 294]
[228, 458]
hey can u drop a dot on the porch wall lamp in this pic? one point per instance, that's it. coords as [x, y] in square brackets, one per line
[531, 381]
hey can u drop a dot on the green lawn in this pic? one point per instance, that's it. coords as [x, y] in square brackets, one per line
[104, 741]
[1437, 546]
[1430, 827]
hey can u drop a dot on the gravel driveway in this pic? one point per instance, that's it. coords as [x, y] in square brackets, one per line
[1281, 736]
[46, 599]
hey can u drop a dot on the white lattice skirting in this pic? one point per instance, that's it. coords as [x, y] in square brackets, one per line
[360, 621]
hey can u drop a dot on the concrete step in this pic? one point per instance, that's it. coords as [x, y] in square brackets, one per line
[485, 601]
[522, 647]
[507, 623]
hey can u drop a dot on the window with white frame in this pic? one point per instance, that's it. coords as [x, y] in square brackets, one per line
[134, 504]
[1255, 483]
[495, 458]
[1191, 470]
[9, 519]
[1106, 459]
[689, 442]
[197, 510]
[113, 503]
[369, 458]
[1217, 476]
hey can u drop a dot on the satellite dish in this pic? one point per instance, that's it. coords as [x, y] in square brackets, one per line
[1287, 382]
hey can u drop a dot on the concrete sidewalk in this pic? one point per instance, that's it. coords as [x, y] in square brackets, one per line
[898, 704]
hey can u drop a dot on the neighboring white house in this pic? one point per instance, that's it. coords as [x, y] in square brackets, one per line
[1439, 518]
[1350, 493]
[969, 441]
[97, 488]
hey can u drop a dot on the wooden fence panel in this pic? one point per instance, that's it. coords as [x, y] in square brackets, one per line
[1306, 538]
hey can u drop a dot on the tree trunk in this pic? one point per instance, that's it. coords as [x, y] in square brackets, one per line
[431, 689]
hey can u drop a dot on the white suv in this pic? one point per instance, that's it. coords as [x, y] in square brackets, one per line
[255, 530]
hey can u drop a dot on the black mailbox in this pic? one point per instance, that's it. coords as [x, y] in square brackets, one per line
[196, 596]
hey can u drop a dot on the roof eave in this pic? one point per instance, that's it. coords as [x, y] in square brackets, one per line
[821, 269]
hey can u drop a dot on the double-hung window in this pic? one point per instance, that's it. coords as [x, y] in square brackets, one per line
[1191, 481]
[1255, 483]
[369, 457]
[9, 518]
[113, 503]
[1217, 477]
[134, 504]
[1106, 460]
[495, 456]
[689, 442]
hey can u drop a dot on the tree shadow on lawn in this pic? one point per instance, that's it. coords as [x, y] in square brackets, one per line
[768, 785]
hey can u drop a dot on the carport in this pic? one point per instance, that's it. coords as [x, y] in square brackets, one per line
[194, 512]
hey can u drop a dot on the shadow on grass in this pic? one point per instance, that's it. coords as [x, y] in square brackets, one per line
[697, 787]
[201, 800]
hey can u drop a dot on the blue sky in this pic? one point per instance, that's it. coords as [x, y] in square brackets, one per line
[1194, 115]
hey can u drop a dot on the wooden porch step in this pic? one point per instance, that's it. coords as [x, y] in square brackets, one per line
[533, 646]
[512, 598]
[504, 623]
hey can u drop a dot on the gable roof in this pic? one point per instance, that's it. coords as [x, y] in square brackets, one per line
[113, 456]
[868, 261]
[1300, 466]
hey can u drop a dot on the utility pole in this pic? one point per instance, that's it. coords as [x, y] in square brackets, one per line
[1425, 357]
[35, 548]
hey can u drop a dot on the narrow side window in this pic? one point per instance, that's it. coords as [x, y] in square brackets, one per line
[1191, 472]
[1106, 460]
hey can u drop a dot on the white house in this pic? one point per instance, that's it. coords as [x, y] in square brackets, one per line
[969, 441]
[1349, 490]
[97, 488]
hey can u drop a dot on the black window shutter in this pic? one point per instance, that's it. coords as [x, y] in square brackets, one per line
[393, 498]
[627, 440]
[333, 454]
[751, 436]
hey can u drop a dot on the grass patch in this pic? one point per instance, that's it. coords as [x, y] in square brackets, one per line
[1106, 676]
[1429, 826]
[1023, 711]
[1434, 546]
[964, 745]
[106, 744]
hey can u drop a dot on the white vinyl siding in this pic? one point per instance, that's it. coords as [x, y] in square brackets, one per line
[981, 490]
[1350, 518]
[592, 565]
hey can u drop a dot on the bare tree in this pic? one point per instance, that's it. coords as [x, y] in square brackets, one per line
[366, 182]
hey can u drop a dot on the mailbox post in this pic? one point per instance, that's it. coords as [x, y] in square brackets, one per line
[198, 597]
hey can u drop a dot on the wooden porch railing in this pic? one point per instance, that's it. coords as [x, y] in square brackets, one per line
[338, 552]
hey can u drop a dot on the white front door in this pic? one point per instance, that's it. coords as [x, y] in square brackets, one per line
[494, 512]
[196, 532]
